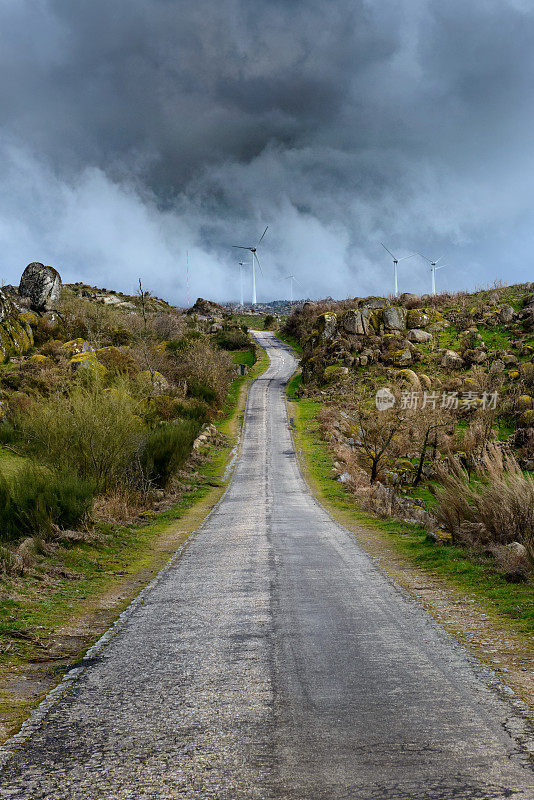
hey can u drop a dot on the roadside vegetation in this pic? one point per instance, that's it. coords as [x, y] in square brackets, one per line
[448, 455]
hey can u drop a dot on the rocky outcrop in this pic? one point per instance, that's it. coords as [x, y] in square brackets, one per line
[15, 333]
[394, 318]
[357, 321]
[41, 286]
[418, 336]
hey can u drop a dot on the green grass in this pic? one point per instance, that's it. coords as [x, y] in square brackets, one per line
[511, 603]
[290, 340]
[244, 357]
[255, 322]
[10, 462]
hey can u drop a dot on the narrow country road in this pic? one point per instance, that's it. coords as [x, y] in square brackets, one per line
[274, 660]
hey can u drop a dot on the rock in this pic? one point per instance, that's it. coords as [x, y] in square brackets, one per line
[410, 377]
[497, 367]
[41, 285]
[506, 314]
[425, 381]
[415, 318]
[408, 297]
[526, 420]
[524, 402]
[510, 360]
[363, 360]
[477, 356]
[75, 346]
[452, 360]
[493, 299]
[334, 372]
[158, 381]
[16, 335]
[87, 361]
[517, 549]
[394, 318]
[373, 302]
[357, 321]
[327, 325]
[400, 358]
[344, 477]
[418, 336]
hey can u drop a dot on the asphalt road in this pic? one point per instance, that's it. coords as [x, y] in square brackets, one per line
[274, 660]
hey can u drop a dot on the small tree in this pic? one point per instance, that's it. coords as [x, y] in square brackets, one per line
[374, 434]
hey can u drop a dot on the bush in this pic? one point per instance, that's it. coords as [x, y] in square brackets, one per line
[233, 339]
[92, 431]
[35, 499]
[165, 450]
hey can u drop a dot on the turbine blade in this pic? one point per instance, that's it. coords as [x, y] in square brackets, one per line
[240, 247]
[439, 259]
[425, 257]
[405, 257]
[441, 267]
[389, 251]
[263, 234]
[258, 260]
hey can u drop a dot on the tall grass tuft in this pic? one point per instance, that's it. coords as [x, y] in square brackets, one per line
[35, 499]
[496, 508]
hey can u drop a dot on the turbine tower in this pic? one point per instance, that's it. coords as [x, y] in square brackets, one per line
[241, 265]
[255, 258]
[292, 278]
[433, 269]
[395, 262]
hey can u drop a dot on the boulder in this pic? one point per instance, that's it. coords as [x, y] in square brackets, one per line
[41, 285]
[373, 302]
[415, 318]
[394, 318]
[408, 297]
[506, 314]
[357, 321]
[497, 367]
[452, 360]
[425, 381]
[16, 335]
[410, 377]
[327, 325]
[418, 336]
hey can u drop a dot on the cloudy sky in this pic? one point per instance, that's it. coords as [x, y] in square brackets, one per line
[135, 131]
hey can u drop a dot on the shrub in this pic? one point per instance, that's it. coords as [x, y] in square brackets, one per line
[92, 431]
[232, 339]
[34, 499]
[165, 450]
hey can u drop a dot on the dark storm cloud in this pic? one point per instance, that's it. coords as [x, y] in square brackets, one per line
[134, 130]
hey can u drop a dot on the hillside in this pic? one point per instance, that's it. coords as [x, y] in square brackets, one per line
[448, 441]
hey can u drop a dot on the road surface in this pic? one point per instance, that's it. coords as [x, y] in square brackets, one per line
[274, 660]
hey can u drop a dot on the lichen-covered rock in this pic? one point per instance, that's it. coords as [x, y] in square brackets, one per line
[418, 336]
[41, 285]
[39, 358]
[357, 321]
[394, 318]
[76, 346]
[399, 358]
[327, 325]
[425, 381]
[415, 318]
[334, 373]
[87, 361]
[410, 377]
[526, 420]
[158, 381]
[16, 335]
[524, 402]
[452, 360]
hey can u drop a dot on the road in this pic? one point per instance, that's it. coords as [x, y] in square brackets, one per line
[275, 660]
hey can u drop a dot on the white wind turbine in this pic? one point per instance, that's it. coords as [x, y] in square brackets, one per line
[255, 258]
[395, 262]
[292, 278]
[433, 269]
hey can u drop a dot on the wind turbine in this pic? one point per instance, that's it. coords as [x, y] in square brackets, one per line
[241, 265]
[433, 269]
[254, 259]
[395, 262]
[292, 278]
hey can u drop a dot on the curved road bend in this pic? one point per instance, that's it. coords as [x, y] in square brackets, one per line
[274, 661]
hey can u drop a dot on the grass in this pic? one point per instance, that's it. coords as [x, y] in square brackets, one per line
[290, 340]
[84, 586]
[244, 357]
[512, 604]
[255, 322]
